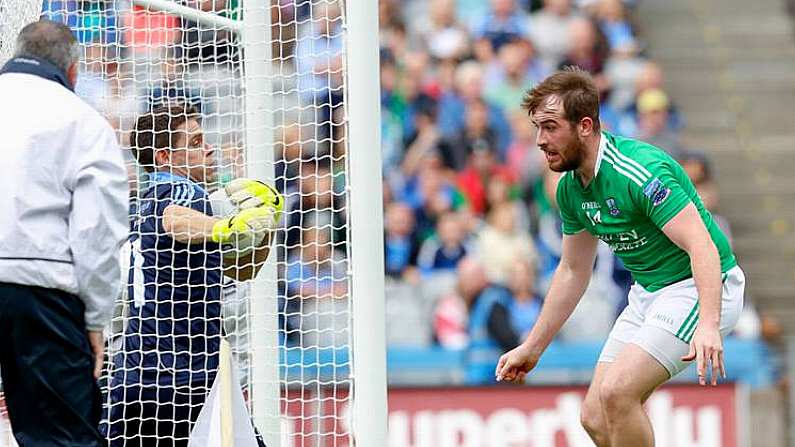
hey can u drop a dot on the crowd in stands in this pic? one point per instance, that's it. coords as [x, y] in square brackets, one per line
[472, 234]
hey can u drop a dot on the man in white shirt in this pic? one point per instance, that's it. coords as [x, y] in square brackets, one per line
[64, 216]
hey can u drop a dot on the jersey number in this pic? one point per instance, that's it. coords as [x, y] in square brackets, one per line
[595, 218]
[138, 273]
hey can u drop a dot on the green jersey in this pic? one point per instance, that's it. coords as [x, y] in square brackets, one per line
[636, 189]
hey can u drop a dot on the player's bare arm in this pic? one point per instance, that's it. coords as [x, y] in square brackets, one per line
[568, 285]
[189, 226]
[688, 232]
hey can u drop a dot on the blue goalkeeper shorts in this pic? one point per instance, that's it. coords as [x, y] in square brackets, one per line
[146, 415]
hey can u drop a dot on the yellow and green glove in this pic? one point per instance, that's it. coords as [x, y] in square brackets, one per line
[247, 193]
[259, 207]
[245, 230]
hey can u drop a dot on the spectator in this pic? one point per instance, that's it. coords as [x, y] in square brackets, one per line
[549, 30]
[100, 85]
[444, 250]
[426, 143]
[513, 77]
[489, 321]
[317, 288]
[481, 166]
[502, 190]
[500, 243]
[526, 303]
[392, 29]
[171, 88]
[392, 110]
[524, 160]
[430, 194]
[412, 91]
[587, 50]
[314, 202]
[615, 26]
[450, 322]
[210, 44]
[90, 21]
[147, 32]
[290, 151]
[319, 62]
[549, 237]
[593, 318]
[443, 35]
[488, 325]
[653, 122]
[91, 84]
[699, 170]
[469, 89]
[622, 70]
[476, 133]
[501, 25]
[651, 77]
[400, 242]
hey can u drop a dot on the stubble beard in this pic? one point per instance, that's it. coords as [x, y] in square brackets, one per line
[570, 156]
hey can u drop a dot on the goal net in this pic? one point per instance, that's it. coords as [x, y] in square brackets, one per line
[268, 80]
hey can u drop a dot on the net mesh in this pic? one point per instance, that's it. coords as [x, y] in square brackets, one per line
[162, 342]
[14, 14]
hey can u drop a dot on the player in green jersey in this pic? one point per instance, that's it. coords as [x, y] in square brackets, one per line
[688, 290]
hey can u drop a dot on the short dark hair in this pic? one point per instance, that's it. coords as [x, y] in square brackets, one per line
[156, 129]
[48, 40]
[576, 90]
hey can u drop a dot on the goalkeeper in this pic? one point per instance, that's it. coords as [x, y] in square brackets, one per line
[170, 351]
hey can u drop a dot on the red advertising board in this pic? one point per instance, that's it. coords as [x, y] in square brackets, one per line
[505, 416]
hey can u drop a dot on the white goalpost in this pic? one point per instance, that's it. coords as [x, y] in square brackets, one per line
[288, 93]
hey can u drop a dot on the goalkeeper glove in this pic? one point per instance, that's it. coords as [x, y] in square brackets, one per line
[247, 193]
[246, 229]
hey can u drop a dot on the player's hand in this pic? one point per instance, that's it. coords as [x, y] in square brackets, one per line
[516, 363]
[246, 228]
[247, 193]
[96, 341]
[706, 349]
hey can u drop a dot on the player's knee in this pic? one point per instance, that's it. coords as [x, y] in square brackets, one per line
[592, 418]
[615, 398]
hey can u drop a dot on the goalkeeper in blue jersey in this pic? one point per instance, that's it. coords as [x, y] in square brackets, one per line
[171, 344]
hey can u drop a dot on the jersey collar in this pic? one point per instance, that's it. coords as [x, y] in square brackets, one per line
[169, 177]
[599, 154]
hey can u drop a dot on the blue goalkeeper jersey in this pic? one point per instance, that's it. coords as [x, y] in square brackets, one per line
[173, 333]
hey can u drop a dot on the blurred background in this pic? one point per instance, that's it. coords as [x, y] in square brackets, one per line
[471, 229]
[472, 234]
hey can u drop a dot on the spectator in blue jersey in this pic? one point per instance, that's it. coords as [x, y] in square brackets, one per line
[319, 66]
[489, 325]
[317, 290]
[446, 248]
[400, 242]
[169, 357]
[526, 303]
[455, 102]
[504, 23]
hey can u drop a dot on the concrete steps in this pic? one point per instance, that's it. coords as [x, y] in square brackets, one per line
[730, 68]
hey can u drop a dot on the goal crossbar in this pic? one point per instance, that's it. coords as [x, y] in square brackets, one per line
[203, 17]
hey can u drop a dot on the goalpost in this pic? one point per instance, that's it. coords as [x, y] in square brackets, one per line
[288, 93]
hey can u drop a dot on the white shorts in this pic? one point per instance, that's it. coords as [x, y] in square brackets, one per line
[663, 322]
